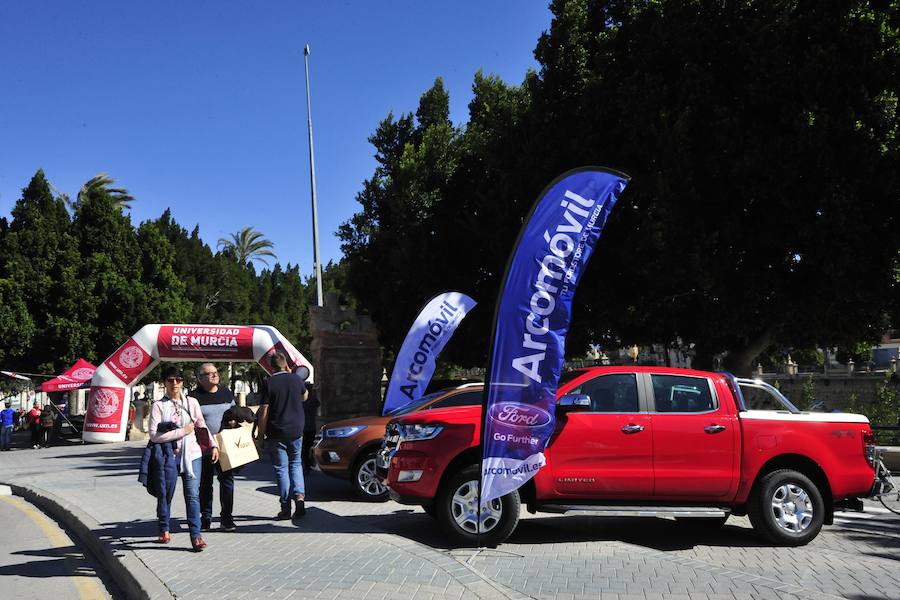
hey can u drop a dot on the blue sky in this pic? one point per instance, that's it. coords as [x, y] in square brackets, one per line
[201, 106]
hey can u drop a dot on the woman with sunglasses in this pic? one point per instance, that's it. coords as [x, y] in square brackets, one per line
[172, 420]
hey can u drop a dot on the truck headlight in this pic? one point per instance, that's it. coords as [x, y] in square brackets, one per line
[418, 432]
[342, 432]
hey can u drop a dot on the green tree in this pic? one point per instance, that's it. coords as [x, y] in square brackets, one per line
[195, 265]
[247, 245]
[395, 232]
[111, 268]
[761, 137]
[39, 260]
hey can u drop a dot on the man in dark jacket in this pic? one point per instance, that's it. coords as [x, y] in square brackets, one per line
[280, 420]
[214, 400]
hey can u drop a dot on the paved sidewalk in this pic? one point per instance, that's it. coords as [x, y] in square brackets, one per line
[357, 550]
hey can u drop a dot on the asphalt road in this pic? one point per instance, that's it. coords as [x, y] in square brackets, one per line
[39, 560]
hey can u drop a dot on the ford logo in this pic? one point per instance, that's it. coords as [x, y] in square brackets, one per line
[519, 415]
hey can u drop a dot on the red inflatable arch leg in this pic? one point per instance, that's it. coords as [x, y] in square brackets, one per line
[107, 414]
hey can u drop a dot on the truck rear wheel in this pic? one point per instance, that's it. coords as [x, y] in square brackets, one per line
[787, 508]
[456, 508]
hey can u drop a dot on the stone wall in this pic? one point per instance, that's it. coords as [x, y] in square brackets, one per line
[347, 359]
[835, 391]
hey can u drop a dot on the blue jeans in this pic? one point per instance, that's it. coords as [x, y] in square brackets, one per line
[191, 488]
[5, 436]
[288, 468]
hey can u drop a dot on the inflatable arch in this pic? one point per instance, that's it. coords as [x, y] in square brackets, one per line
[107, 413]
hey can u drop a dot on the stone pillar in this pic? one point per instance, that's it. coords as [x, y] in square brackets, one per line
[347, 359]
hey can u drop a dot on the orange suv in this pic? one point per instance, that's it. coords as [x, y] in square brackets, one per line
[347, 448]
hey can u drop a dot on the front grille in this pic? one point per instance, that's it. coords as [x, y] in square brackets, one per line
[388, 447]
[391, 437]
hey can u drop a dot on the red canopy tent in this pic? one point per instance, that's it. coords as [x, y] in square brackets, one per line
[74, 377]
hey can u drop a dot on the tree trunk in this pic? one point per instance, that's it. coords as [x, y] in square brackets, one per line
[740, 361]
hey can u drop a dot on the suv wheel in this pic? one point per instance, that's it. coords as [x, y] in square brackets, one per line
[456, 510]
[365, 481]
[787, 508]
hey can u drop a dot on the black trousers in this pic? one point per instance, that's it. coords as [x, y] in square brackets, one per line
[226, 489]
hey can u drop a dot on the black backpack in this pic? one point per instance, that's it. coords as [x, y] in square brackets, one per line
[46, 418]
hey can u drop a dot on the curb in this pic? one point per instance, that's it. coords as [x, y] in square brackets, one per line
[132, 576]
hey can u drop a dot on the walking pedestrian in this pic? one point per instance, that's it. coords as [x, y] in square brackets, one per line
[310, 407]
[7, 415]
[280, 421]
[214, 400]
[34, 423]
[173, 419]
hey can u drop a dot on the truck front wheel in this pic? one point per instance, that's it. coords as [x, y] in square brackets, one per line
[787, 508]
[456, 509]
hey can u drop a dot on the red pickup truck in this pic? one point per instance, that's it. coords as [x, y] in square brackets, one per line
[646, 441]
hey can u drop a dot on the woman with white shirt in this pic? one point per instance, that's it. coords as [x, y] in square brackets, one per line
[173, 420]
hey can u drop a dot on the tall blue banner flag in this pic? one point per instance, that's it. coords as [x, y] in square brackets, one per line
[532, 318]
[428, 335]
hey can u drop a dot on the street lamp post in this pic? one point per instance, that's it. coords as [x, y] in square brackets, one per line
[312, 178]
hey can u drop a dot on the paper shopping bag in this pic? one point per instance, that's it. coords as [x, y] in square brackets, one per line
[236, 447]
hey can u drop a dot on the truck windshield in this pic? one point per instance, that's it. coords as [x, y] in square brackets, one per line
[759, 395]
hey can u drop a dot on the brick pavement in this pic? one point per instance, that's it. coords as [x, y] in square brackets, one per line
[356, 550]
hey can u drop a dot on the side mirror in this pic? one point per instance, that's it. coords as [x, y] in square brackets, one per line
[574, 403]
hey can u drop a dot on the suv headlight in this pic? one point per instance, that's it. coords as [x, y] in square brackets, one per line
[342, 432]
[419, 431]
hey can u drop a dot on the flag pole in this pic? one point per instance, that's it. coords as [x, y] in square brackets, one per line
[312, 178]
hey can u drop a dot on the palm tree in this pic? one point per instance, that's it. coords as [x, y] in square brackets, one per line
[248, 245]
[102, 183]
[99, 183]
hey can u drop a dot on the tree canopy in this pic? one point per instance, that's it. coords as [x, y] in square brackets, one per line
[762, 141]
[79, 284]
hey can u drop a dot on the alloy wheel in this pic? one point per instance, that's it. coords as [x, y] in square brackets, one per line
[464, 509]
[792, 508]
[366, 479]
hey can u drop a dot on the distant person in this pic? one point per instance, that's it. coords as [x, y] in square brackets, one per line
[310, 407]
[172, 419]
[280, 420]
[214, 401]
[46, 426]
[34, 423]
[7, 421]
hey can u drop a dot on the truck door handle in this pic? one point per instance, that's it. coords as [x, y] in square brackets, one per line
[714, 428]
[632, 428]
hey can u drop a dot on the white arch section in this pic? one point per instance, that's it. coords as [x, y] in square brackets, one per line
[107, 413]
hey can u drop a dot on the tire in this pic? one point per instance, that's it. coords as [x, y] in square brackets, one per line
[891, 500]
[787, 508]
[703, 522]
[365, 483]
[430, 510]
[456, 508]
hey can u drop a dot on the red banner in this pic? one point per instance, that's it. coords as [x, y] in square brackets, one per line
[205, 342]
[105, 410]
[129, 361]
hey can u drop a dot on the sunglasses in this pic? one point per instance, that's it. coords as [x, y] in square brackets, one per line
[174, 379]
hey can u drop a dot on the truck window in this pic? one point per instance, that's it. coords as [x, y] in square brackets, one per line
[761, 396]
[679, 394]
[463, 399]
[616, 393]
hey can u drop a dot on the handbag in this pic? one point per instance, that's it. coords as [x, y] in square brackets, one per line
[204, 439]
